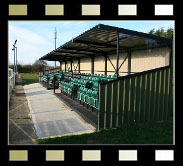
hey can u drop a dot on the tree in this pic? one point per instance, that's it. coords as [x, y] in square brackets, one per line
[39, 65]
[162, 33]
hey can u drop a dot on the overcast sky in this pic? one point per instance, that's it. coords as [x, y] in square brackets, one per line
[36, 38]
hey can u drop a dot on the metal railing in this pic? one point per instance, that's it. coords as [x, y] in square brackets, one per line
[11, 82]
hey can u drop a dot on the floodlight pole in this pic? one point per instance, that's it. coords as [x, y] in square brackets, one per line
[14, 64]
[55, 41]
[16, 60]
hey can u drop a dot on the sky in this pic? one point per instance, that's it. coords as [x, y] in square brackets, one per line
[36, 38]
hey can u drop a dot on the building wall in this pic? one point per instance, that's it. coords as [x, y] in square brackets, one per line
[85, 65]
[140, 61]
[146, 60]
[99, 65]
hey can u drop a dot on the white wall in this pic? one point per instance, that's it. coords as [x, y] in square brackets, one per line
[140, 61]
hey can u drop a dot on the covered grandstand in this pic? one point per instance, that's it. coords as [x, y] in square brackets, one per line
[110, 70]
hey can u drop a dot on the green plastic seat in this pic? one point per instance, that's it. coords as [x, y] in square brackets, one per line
[79, 93]
[83, 94]
[113, 77]
[95, 86]
[95, 96]
[88, 96]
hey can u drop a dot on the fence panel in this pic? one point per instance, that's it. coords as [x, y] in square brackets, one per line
[135, 98]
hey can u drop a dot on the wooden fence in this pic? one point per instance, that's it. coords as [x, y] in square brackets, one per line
[136, 98]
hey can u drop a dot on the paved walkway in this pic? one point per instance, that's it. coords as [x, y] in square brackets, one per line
[50, 116]
[21, 128]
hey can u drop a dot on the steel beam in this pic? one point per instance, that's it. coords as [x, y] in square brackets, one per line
[71, 65]
[117, 55]
[129, 61]
[92, 64]
[79, 65]
[105, 65]
[65, 66]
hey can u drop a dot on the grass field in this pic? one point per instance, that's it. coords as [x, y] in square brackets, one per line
[29, 78]
[149, 133]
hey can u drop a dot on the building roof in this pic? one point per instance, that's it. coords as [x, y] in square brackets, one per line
[102, 40]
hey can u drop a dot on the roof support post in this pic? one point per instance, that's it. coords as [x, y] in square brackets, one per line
[60, 65]
[65, 66]
[105, 65]
[92, 64]
[71, 65]
[129, 61]
[117, 55]
[79, 65]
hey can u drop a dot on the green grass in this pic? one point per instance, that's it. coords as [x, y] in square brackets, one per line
[149, 133]
[29, 78]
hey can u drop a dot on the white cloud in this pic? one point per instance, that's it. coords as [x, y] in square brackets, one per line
[31, 45]
[27, 35]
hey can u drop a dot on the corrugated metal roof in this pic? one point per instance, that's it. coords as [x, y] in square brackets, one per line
[101, 40]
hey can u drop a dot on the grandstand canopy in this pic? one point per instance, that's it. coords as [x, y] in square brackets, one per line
[102, 40]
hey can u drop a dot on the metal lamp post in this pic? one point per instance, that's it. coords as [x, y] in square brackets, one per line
[55, 37]
[16, 60]
[15, 68]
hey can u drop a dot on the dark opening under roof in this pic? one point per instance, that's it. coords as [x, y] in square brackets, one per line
[102, 40]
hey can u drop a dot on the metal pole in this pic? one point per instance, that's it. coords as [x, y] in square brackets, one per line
[129, 61]
[79, 65]
[71, 65]
[16, 59]
[92, 65]
[14, 65]
[105, 65]
[117, 57]
[60, 65]
[65, 65]
[55, 41]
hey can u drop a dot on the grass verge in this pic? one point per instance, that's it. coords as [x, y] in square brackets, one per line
[148, 133]
[29, 78]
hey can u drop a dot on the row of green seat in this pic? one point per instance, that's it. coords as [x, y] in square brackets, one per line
[88, 96]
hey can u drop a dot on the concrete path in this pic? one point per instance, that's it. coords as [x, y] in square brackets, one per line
[21, 128]
[50, 116]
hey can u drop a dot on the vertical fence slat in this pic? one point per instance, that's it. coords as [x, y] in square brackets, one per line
[170, 106]
[138, 99]
[105, 110]
[167, 88]
[121, 102]
[158, 85]
[148, 97]
[112, 99]
[101, 106]
[126, 114]
[143, 99]
[118, 100]
[115, 97]
[153, 96]
[162, 95]
[132, 100]
[108, 111]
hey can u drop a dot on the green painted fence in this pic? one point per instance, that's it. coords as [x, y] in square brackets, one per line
[136, 98]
